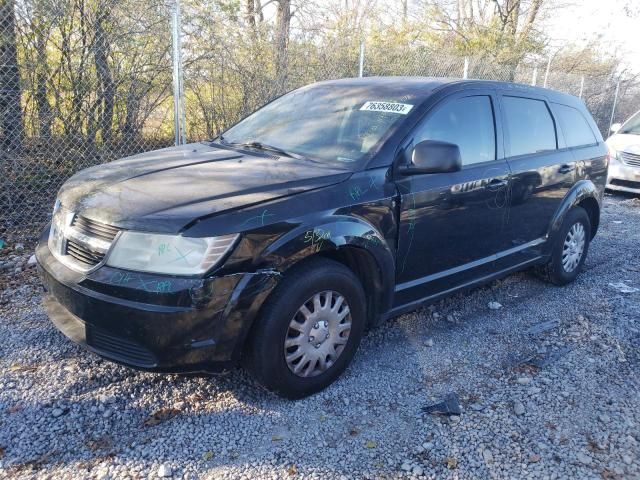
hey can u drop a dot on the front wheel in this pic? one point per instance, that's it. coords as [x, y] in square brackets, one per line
[570, 248]
[309, 329]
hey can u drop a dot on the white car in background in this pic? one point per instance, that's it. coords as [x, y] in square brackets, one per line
[624, 144]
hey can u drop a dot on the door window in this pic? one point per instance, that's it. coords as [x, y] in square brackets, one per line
[467, 122]
[530, 125]
[576, 130]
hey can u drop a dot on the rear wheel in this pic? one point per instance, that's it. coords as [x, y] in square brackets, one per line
[309, 329]
[570, 249]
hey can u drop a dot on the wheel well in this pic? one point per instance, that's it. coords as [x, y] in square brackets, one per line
[365, 267]
[593, 210]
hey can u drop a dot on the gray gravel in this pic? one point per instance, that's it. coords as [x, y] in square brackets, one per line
[548, 385]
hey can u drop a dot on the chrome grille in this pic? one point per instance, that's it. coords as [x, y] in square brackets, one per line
[83, 254]
[630, 159]
[79, 242]
[94, 229]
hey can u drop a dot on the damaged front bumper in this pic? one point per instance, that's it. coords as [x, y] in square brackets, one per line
[154, 322]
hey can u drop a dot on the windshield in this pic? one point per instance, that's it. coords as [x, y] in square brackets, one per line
[325, 123]
[632, 125]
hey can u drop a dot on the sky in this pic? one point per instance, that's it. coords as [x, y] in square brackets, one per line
[585, 19]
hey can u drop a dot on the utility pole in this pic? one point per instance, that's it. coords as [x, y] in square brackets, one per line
[179, 121]
[615, 102]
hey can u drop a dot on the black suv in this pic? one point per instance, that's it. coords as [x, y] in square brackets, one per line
[330, 209]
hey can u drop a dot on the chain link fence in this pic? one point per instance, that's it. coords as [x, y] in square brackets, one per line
[87, 82]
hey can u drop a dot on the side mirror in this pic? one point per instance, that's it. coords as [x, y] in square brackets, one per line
[433, 156]
[615, 127]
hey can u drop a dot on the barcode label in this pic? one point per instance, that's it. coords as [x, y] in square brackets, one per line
[401, 108]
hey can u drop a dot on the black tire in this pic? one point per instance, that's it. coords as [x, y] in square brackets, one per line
[265, 353]
[554, 271]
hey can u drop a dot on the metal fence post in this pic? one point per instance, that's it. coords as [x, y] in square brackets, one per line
[183, 117]
[465, 74]
[361, 69]
[535, 76]
[178, 103]
[581, 87]
[615, 101]
[546, 74]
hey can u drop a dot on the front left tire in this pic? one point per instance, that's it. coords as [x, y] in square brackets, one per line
[309, 329]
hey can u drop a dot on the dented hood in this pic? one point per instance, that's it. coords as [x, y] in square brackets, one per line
[167, 189]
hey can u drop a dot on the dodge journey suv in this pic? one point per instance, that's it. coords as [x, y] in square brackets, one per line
[329, 210]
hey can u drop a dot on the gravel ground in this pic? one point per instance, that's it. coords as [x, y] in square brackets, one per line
[548, 384]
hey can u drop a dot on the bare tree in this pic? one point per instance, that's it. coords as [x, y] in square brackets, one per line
[502, 29]
[41, 31]
[253, 13]
[283, 28]
[101, 49]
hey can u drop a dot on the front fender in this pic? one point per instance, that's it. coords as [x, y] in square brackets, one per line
[331, 235]
[582, 190]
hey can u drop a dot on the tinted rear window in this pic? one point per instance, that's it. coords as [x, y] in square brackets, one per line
[574, 126]
[530, 125]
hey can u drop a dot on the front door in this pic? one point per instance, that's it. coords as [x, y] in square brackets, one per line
[452, 224]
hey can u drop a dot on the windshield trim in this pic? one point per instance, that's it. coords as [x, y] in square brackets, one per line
[267, 154]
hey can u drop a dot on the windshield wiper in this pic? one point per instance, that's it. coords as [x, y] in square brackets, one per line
[262, 146]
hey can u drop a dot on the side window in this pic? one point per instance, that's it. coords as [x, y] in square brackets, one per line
[529, 124]
[576, 130]
[467, 122]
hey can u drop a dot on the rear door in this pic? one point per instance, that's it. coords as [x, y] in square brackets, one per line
[585, 143]
[542, 171]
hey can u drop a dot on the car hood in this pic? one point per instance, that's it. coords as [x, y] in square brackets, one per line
[625, 142]
[167, 189]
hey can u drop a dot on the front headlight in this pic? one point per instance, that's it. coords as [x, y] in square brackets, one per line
[59, 220]
[169, 254]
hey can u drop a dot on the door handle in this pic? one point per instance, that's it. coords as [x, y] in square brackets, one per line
[496, 184]
[566, 168]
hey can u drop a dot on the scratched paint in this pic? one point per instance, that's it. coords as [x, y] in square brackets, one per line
[410, 222]
[164, 248]
[259, 219]
[357, 191]
[135, 280]
[316, 238]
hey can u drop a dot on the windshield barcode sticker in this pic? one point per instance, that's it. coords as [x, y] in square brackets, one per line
[401, 108]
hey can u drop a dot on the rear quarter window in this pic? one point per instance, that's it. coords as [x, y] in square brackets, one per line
[575, 127]
[530, 125]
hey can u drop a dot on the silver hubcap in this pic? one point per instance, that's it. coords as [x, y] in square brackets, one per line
[573, 247]
[317, 334]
